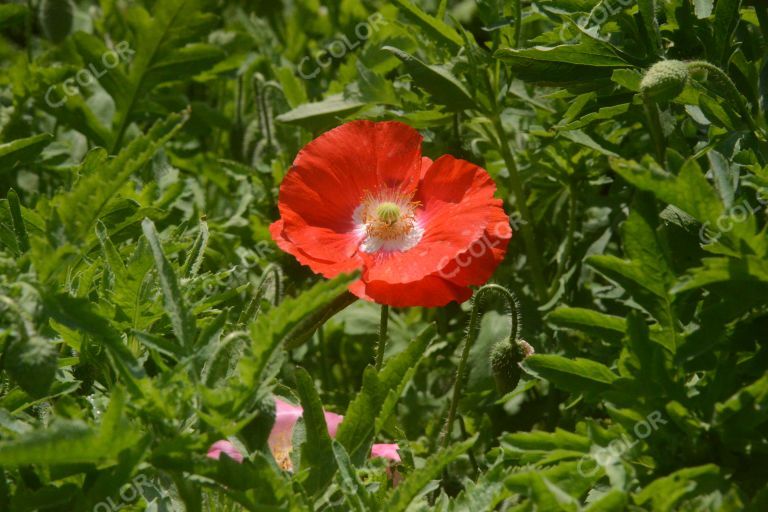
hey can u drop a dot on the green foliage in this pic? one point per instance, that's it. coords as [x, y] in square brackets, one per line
[146, 312]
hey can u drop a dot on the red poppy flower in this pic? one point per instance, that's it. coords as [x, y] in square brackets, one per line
[361, 197]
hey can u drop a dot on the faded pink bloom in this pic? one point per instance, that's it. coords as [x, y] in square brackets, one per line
[387, 451]
[281, 437]
[332, 421]
[226, 448]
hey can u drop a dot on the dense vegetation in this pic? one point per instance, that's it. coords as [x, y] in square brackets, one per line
[146, 313]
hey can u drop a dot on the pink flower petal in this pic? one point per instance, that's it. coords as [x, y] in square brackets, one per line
[387, 451]
[225, 447]
[286, 416]
[332, 421]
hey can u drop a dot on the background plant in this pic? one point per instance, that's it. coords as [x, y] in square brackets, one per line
[146, 312]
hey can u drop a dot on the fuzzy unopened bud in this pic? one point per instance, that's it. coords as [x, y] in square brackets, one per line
[505, 363]
[56, 18]
[665, 80]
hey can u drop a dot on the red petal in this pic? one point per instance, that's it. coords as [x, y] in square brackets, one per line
[431, 291]
[477, 264]
[426, 163]
[458, 204]
[329, 177]
[327, 268]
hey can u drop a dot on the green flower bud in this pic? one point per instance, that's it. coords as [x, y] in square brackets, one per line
[505, 363]
[665, 80]
[56, 18]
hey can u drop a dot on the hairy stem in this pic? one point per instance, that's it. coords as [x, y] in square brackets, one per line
[730, 91]
[382, 346]
[469, 340]
[654, 126]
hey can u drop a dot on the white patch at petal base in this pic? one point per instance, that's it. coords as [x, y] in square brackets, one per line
[372, 244]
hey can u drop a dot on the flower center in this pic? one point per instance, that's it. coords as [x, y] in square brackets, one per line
[388, 222]
[388, 213]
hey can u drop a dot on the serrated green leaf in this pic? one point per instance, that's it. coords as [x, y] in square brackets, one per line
[667, 492]
[355, 493]
[32, 363]
[17, 219]
[81, 207]
[317, 455]
[182, 319]
[372, 406]
[196, 252]
[614, 500]
[296, 318]
[689, 190]
[71, 441]
[406, 492]
[164, 47]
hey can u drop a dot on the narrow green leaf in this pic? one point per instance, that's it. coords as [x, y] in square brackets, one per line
[435, 28]
[22, 151]
[703, 8]
[575, 375]
[439, 82]
[19, 229]
[321, 114]
[588, 60]
[581, 318]
[182, 320]
[650, 26]
[223, 360]
[115, 262]
[726, 19]
[196, 252]
[294, 91]
[726, 176]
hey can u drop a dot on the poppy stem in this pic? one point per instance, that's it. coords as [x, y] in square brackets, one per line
[469, 340]
[382, 346]
[529, 237]
[518, 22]
[728, 89]
[654, 125]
